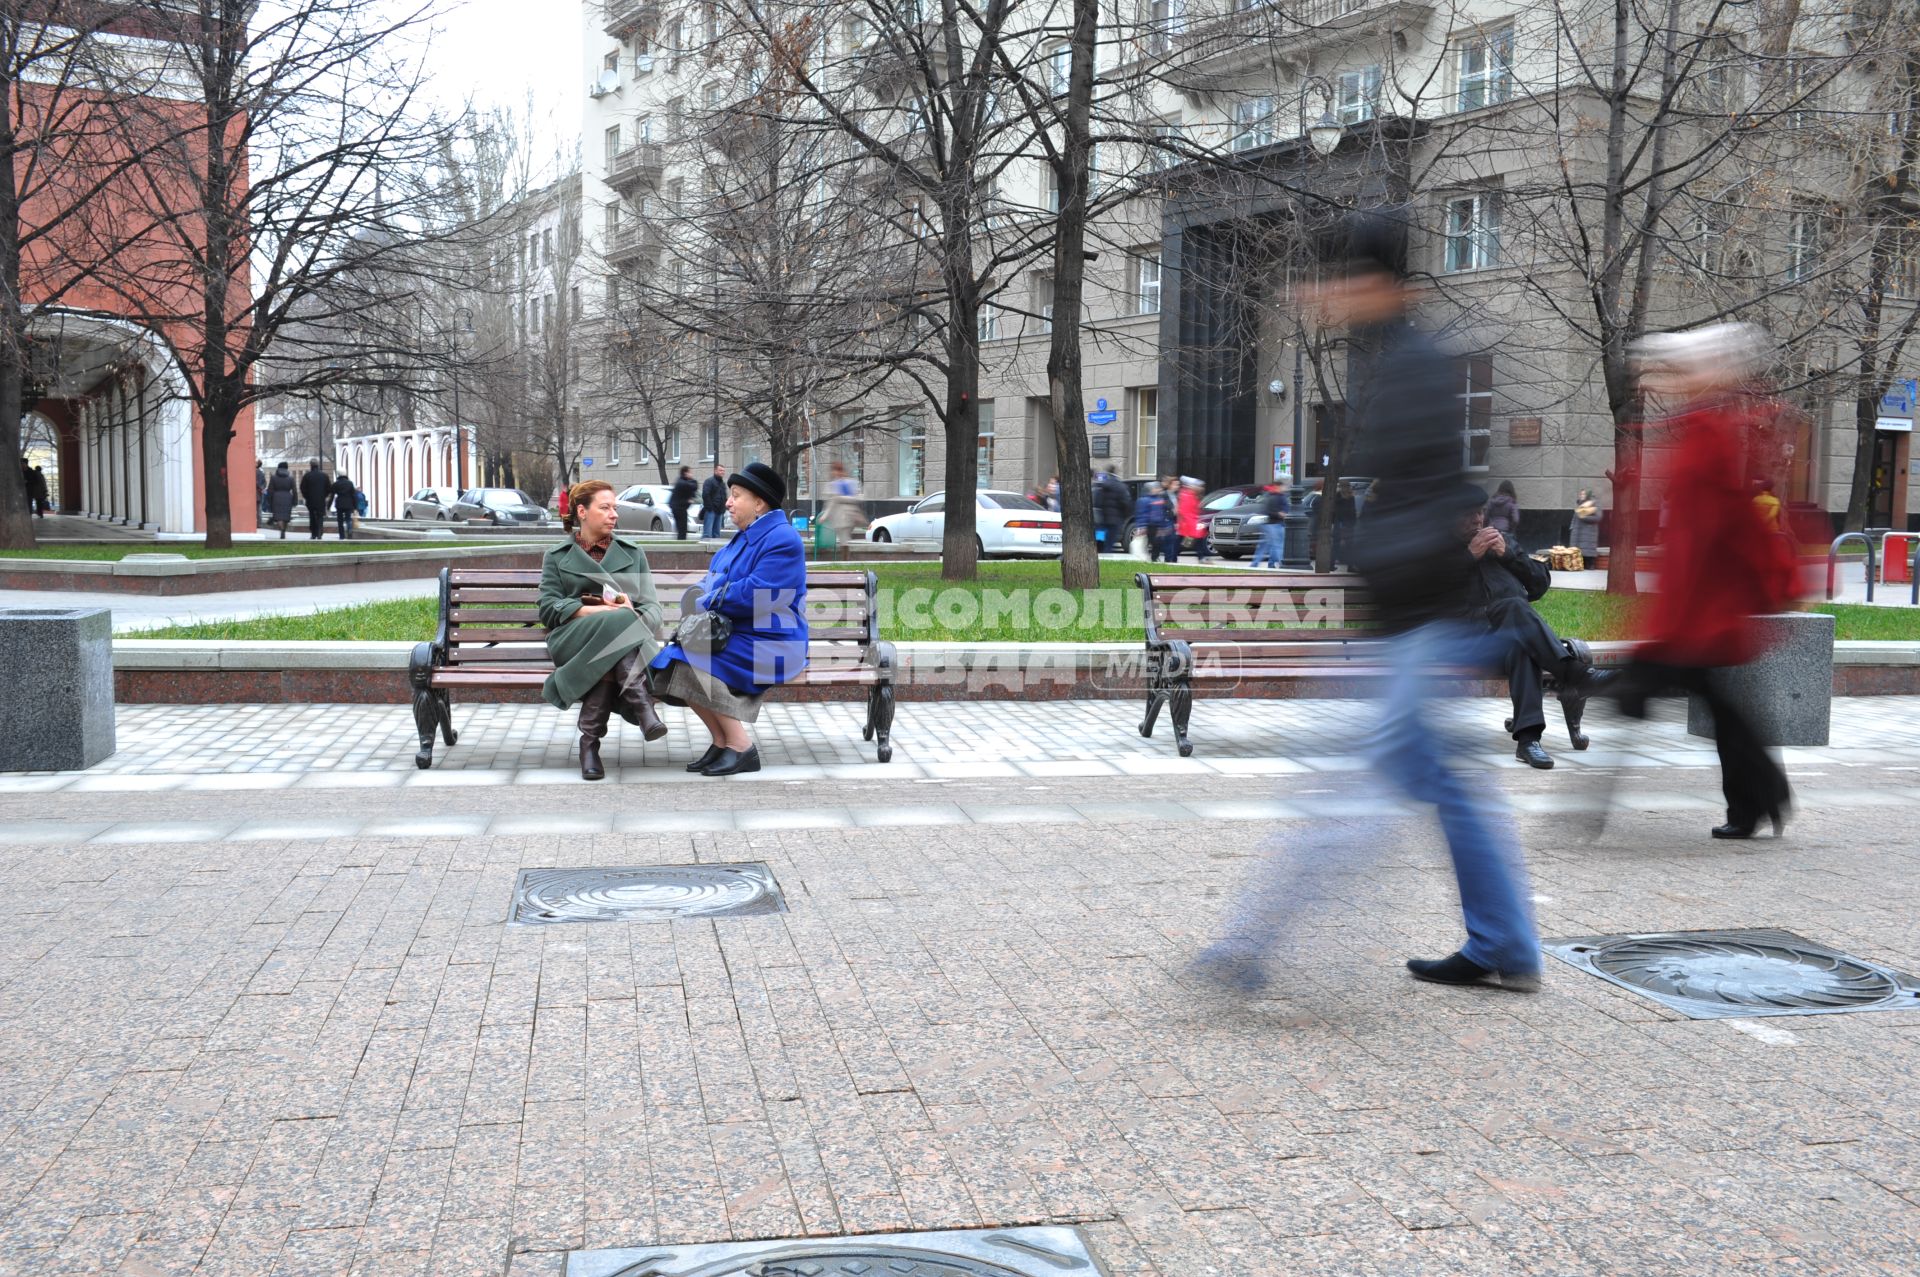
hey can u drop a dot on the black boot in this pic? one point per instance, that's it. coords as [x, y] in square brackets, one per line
[635, 702]
[595, 708]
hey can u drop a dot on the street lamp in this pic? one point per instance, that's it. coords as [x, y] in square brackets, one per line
[1323, 138]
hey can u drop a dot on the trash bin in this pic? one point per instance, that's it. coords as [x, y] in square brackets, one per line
[1896, 557]
[59, 717]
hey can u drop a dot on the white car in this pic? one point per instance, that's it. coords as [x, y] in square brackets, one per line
[640, 513]
[430, 503]
[1004, 523]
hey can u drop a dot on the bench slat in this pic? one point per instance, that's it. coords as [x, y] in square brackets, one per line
[1250, 637]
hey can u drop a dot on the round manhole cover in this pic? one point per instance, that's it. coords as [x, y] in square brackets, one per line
[1745, 973]
[654, 891]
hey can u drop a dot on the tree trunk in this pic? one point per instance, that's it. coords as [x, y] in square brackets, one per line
[216, 434]
[16, 507]
[1079, 554]
[1866, 416]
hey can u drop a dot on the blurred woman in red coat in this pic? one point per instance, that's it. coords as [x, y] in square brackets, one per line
[1720, 566]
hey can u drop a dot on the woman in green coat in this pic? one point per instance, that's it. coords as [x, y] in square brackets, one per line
[603, 623]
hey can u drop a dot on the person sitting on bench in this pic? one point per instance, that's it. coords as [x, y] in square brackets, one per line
[1502, 591]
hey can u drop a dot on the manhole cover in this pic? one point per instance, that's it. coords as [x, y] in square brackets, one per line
[1705, 975]
[645, 893]
[989, 1252]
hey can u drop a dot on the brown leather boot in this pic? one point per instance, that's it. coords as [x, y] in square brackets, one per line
[635, 702]
[595, 707]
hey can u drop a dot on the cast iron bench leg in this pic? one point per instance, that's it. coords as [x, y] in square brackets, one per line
[1156, 692]
[881, 713]
[429, 714]
[1180, 706]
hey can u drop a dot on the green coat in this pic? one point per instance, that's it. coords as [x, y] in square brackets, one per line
[584, 649]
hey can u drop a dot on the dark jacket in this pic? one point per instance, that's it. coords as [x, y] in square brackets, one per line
[1407, 417]
[1511, 575]
[260, 484]
[1153, 511]
[1275, 505]
[713, 495]
[345, 496]
[681, 497]
[280, 490]
[1109, 500]
[315, 488]
[758, 581]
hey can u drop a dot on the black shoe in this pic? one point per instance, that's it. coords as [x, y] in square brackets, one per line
[705, 760]
[1532, 754]
[733, 762]
[1462, 970]
[1747, 828]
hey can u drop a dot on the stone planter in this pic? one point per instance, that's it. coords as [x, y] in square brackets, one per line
[1788, 693]
[56, 712]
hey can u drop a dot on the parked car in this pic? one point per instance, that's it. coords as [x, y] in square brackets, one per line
[659, 494]
[639, 513]
[430, 503]
[501, 507]
[1231, 519]
[1004, 523]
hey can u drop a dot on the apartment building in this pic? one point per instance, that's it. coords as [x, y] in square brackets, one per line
[1196, 358]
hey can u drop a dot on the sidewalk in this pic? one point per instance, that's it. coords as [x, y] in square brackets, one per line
[133, 613]
[301, 1038]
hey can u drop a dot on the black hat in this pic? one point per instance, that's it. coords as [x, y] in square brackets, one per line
[763, 481]
[1468, 496]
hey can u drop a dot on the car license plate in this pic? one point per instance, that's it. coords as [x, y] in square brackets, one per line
[1049, 538]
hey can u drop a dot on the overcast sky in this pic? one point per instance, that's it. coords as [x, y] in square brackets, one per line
[499, 51]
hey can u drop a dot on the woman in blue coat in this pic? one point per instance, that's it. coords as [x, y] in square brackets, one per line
[758, 581]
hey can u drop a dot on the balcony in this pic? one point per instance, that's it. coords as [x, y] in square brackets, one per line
[632, 243]
[1253, 34]
[628, 18]
[636, 168]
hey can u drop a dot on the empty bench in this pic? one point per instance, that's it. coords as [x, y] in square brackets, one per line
[1224, 627]
[489, 637]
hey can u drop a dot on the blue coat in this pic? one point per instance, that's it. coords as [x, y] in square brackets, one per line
[1152, 511]
[758, 581]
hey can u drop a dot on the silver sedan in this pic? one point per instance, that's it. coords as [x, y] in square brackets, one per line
[430, 503]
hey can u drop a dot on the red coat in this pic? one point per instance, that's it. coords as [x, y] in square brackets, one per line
[1720, 565]
[1187, 512]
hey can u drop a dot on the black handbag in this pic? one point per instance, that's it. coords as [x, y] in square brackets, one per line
[700, 632]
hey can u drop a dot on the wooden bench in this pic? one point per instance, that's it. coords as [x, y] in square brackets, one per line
[1223, 627]
[1227, 626]
[489, 636]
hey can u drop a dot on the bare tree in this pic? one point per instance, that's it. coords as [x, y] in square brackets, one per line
[290, 214]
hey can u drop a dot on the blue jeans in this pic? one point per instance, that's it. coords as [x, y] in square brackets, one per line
[1408, 748]
[1273, 544]
[710, 524]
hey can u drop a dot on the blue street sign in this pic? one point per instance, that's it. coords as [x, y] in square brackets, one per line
[586, 461]
[1102, 415]
[1899, 399]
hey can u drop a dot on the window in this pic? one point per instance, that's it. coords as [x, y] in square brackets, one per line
[613, 449]
[1059, 70]
[1710, 247]
[856, 34]
[613, 292]
[1806, 79]
[1807, 235]
[613, 217]
[1166, 19]
[1049, 187]
[1475, 373]
[546, 244]
[1715, 86]
[676, 119]
[1146, 282]
[989, 322]
[533, 250]
[613, 143]
[1252, 123]
[1483, 68]
[1903, 271]
[913, 457]
[673, 443]
[1357, 95]
[710, 22]
[1043, 300]
[714, 96]
[984, 457]
[1473, 231]
[1166, 153]
[611, 62]
[675, 44]
[1146, 422]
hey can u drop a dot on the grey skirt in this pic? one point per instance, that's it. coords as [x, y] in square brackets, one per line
[681, 684]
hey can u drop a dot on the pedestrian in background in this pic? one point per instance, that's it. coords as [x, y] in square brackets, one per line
[1503, 511]
[1110, 509]
[1418, 571]
[281, 490]
[1053, 494]
[260, 487]
[713, 501]
[843, 513]
[1584, 535]
[39, 493]
[1273, 533]
[1152, 521]
[680, 499]
[315, 490]
[1187, 520]
[346, 504]
[1346, 513]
